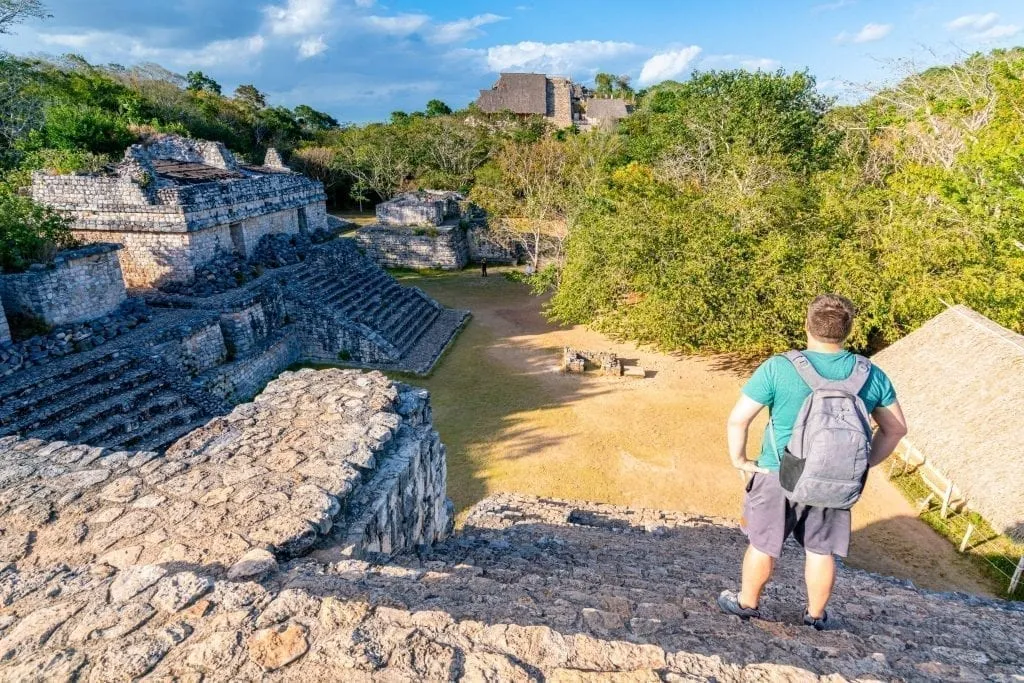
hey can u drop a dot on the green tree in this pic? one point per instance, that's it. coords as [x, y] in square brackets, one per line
[314, 121]
[437, 108]
[70, 127]
[604, 84]
[29, 233]
[250, 97]
[200, 82]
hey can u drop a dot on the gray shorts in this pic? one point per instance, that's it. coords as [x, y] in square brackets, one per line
[769, 518]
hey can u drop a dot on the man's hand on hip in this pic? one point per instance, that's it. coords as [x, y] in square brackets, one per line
[751, 466]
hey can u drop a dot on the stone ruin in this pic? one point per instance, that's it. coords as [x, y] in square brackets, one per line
[431, 229]
[148, 529]
[140, 371]
[175, 203]
[575, 361]
[306, 536]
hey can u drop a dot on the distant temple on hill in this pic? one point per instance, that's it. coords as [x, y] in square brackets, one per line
[556, 98]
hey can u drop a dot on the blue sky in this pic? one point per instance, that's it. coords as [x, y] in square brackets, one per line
[361, 59]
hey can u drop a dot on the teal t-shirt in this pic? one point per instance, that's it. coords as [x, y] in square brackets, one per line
[777, 385]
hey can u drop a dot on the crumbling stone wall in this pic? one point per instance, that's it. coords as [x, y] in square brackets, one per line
[421, 208]
[203, 349]
[445, 247]
[483, 245]
[5, 330]
[560, 101]
[245, 377]
[80, 284]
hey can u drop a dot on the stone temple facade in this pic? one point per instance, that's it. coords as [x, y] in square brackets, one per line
[174, 203]
[431, 229]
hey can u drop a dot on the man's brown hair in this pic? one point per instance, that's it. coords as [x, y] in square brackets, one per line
[830, 318]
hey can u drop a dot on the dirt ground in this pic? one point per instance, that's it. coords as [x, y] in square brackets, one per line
[511, 422]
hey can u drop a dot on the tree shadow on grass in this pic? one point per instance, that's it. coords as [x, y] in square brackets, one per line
[486, 408]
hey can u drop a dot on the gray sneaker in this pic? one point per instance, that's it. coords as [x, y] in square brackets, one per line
[729, 602]
[822, 623]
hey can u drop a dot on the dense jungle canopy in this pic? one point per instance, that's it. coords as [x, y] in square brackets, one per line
[703, 223]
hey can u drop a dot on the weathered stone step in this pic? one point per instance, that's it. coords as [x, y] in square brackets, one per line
[160, 432]
[75, 427]
[162, 402]
[408, 335]
[170, 433]
[43, 411]
[37, 390]
[406, 311]
[428, 346]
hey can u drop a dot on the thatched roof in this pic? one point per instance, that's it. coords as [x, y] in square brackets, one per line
[518, 93]
[611, 109]
[960, 380]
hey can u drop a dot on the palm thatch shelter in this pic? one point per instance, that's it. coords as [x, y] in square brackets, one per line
[960, 380]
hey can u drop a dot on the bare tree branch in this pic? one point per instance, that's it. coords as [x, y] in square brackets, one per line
[16, 11]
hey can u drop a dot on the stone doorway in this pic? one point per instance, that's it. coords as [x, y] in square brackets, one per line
[238, 239]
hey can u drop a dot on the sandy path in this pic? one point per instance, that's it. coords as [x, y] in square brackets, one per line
[513, 424]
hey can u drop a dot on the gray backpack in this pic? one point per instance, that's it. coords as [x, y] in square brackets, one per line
[826, 461]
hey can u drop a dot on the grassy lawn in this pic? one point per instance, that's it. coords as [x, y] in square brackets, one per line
[358, 217]
[994, 554]
[510, 422]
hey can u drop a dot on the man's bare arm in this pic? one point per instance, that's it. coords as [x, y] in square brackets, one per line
[892, 427]
[743, 413]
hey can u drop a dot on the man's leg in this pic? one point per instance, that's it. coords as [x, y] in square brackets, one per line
[757, 569]
[819, 574]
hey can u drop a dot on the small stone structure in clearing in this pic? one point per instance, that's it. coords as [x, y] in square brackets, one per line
[431, 229]
[575, 361]
[174, 203]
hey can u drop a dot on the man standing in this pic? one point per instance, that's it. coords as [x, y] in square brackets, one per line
[769, 517]
[483, 267]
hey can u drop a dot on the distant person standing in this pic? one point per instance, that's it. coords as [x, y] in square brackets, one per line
[815, 455]
[483, 267]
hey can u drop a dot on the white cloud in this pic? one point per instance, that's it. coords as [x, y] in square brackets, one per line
[983, 27]
[398, 25]
[868, 34]
[560, 58]
[831, 6]
[745, 61]
[462, 29]
[311, 47]
[231, 51]
[667, 65]
[997, 32]
[974, 22]
[760, 64]
[365, 3]
[298, 17]
[117, 47]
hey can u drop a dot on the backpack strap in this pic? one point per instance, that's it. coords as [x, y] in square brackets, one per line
[851, 385]
[806, 371]
[857, 379]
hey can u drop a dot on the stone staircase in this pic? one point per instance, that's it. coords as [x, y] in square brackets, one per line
[108, 397]
[529, 590]
[413, 327]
